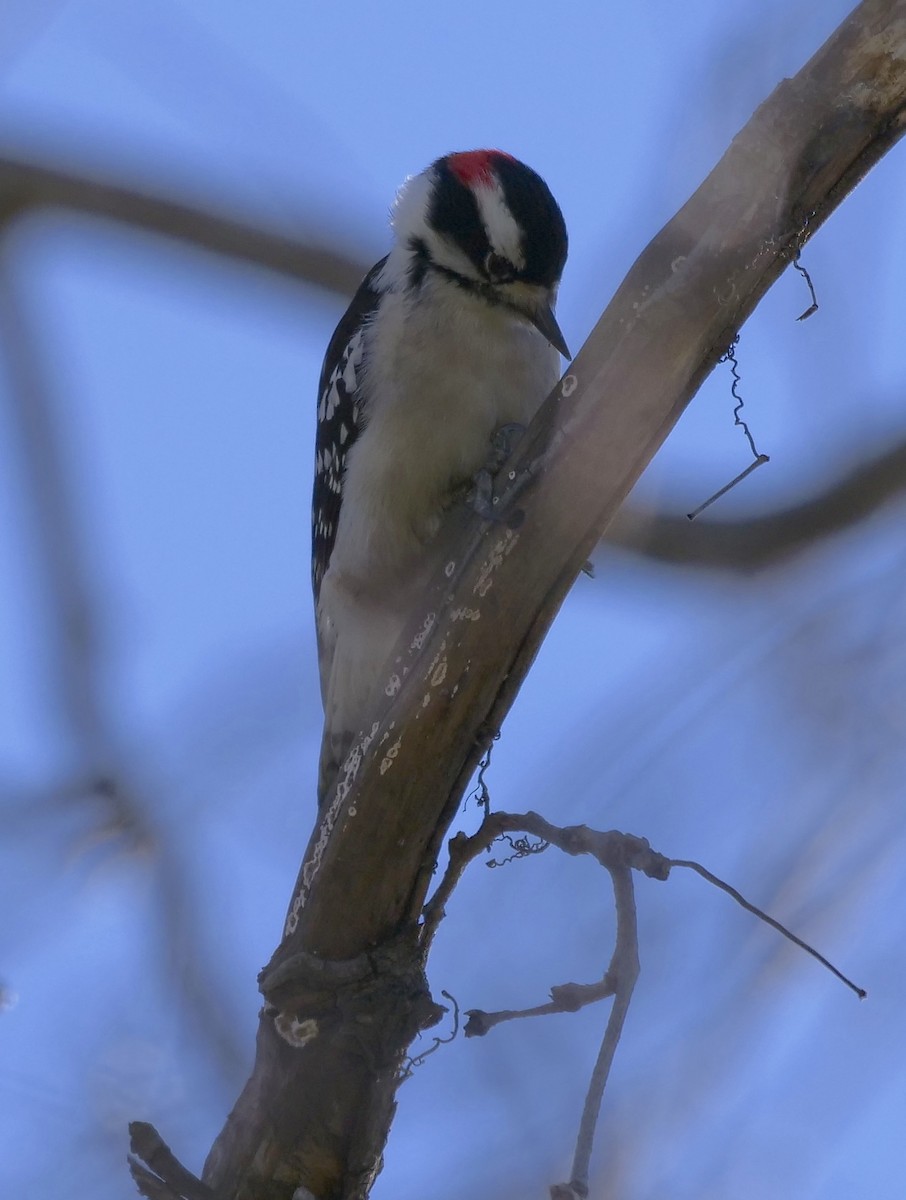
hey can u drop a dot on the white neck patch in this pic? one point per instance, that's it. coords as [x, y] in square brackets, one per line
[409, 220]
[409, 214]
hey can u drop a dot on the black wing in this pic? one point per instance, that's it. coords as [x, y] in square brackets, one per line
[340, 417]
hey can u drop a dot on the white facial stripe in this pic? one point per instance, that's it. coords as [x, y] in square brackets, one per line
[503, 232]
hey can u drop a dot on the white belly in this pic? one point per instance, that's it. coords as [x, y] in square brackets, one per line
[451, 372]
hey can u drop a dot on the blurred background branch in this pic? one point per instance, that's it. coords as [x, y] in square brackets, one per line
[29, 187]
[874, 478]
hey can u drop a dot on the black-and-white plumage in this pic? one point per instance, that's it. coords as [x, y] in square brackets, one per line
[339, 409]
[449, 337]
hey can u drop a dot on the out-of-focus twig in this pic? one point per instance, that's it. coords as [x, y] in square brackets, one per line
[72, 627]
[747, 545]
[27, 187]
[74, 622]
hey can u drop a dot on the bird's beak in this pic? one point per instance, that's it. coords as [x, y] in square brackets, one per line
[542, 317]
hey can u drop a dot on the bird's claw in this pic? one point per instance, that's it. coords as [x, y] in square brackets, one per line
[503, 442]
[490, 504]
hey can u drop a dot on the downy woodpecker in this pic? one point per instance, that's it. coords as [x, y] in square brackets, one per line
[449, 337]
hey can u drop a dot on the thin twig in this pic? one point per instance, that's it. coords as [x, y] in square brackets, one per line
[610, 848]
[763, 916]
[481, 795]
[738, 419]
[417, 1059]
[624, 967]
[813, 307]
[759, 462]
[565, 998]
[620, 854]
[760, 459]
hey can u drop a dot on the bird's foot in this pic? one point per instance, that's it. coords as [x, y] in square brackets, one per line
[492, 497]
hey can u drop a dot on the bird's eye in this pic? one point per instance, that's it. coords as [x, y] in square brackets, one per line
[498, 268]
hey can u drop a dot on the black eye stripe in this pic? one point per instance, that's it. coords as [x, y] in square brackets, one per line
[454, 212]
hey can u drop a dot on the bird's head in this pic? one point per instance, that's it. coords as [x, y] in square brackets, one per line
[490, 224]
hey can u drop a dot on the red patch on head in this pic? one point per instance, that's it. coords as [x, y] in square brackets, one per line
[473, 167]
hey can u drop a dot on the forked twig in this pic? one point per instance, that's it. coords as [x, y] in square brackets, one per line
[624, 968]
[619, 854]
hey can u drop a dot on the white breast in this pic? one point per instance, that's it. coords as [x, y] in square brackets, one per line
[440, 376]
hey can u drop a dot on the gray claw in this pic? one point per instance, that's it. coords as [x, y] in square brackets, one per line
[503, 443]
[497, 507]
[482, 497]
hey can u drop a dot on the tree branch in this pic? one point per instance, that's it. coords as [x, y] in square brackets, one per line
[620, 854]
[315, 1112]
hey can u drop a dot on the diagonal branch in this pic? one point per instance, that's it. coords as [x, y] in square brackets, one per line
[499, 588]
[316, 1112]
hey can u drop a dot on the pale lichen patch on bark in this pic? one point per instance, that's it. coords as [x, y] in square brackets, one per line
[499, 552]
[439, 674]
[328, 821]
[394, 683]
[295, 1032]
[464, 613]
[419, 640]
[392, 752]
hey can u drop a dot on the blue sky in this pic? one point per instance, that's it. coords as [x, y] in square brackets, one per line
[751, 720]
